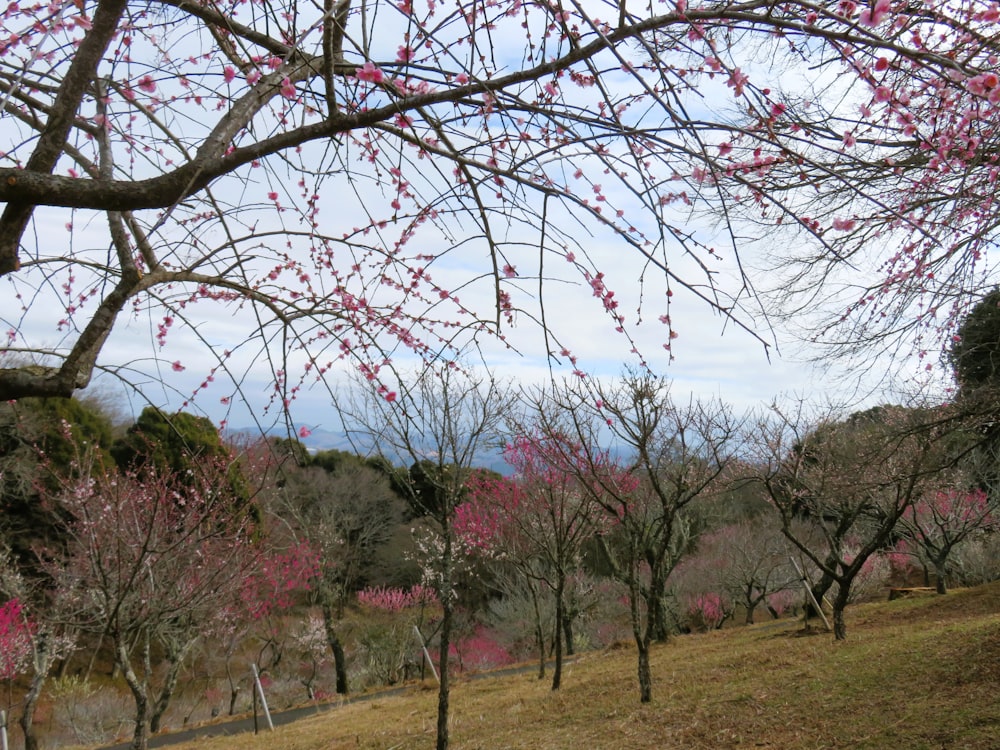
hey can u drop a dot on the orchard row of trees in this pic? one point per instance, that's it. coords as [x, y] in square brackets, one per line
[165, 535]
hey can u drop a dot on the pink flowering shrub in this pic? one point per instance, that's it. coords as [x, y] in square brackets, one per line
[783, 602]
[708, 610]
[480, 651]
[393, 599]
[16, 633]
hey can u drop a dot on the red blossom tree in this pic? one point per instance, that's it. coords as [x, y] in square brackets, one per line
[538, 522]
[176, 160]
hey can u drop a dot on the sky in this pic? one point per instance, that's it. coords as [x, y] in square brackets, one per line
[713, 359]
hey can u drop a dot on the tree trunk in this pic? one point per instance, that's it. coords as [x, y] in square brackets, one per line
[139, 695]
[42, 663]
[28, 714]
[642, 636]
[336, 647]
[751, 602]
[175, 658]
[558, 640]
[656, 617]
[940, 584]
[658, 624]
[568, 632]
[444, 687]
[825, 582]
[839, 605]
[645, 677]
[447, 610]
[539, 631]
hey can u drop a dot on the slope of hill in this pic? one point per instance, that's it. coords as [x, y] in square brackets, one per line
[914, 674]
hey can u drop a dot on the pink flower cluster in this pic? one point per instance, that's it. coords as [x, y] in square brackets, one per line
[395, 599]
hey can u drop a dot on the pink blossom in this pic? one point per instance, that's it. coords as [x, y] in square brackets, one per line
[229, 73]
[404, 54]
[15, 640]
[147, 84]
[462, 79]
[390, 396]
[253, 76]
[843, 225]
[883, 94]
[983, 84]
[177, 367]
[874, 15]
[737, 81]
[287, 88]
[370, 72]
[304, 432]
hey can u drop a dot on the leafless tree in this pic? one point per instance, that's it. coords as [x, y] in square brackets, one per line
[851, 480]
[671, 456]
[344, 516]
[445, 420]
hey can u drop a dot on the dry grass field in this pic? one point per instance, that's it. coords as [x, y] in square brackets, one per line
[915, 674]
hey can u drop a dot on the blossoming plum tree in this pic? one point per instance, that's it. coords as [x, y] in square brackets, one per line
[935, 525]
[673, 456]
[151, 561]
[442, 419]
[538, 521]
[317, 168]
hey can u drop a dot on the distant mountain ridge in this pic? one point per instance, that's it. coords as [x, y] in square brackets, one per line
[318, 439]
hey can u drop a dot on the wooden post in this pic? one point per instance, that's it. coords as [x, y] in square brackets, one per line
[427, 656]
[3, 730]
[809, 593]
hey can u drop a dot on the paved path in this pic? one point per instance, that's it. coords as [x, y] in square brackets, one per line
[246, 724]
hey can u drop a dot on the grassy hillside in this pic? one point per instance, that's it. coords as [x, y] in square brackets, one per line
[918, 673]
